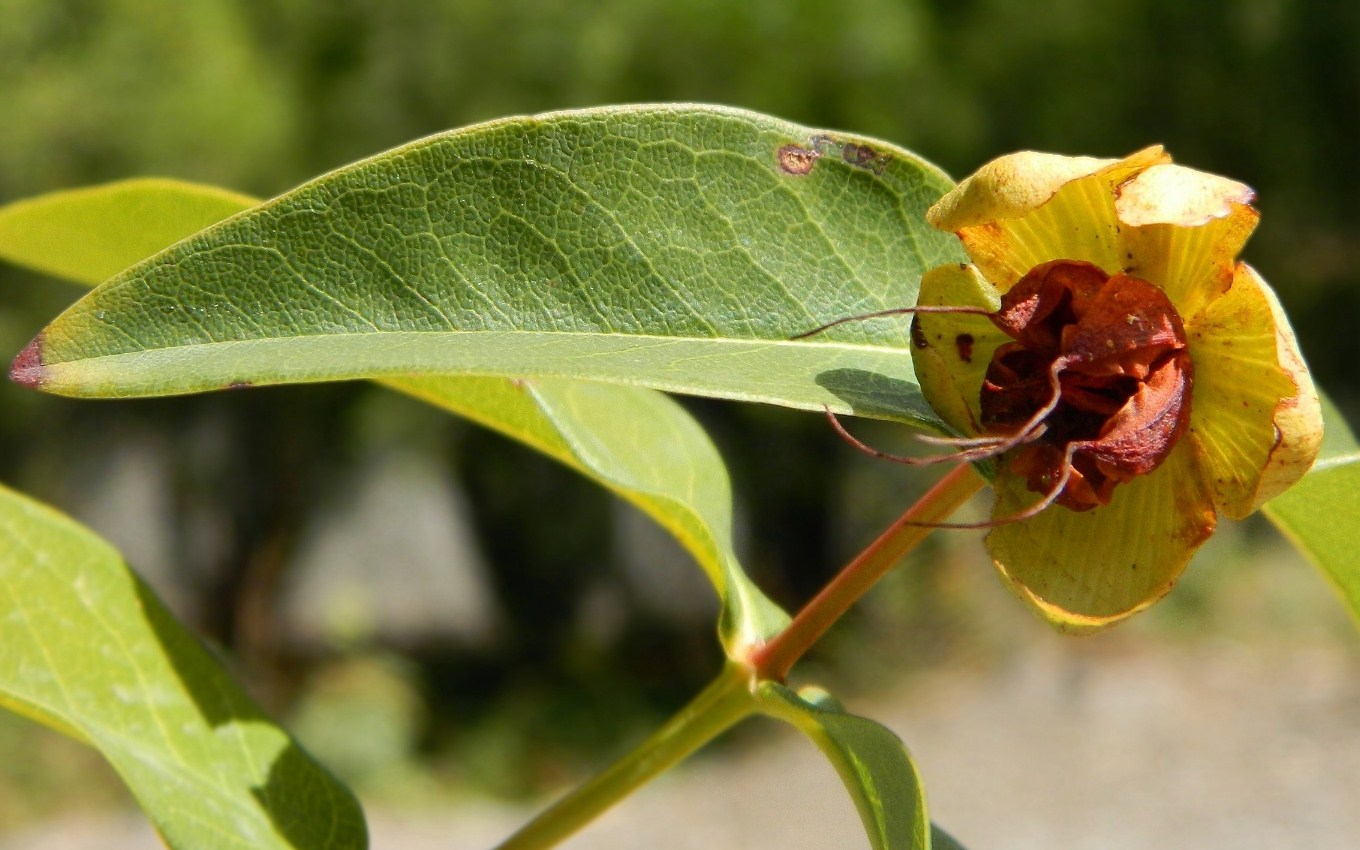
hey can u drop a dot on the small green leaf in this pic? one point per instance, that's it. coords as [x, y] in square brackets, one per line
[89, 650]
[1318, 514]
[88, 235]
[634, 441]
[677, 247]
[871, 761]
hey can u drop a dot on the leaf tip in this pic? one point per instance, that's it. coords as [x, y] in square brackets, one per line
[27, 368]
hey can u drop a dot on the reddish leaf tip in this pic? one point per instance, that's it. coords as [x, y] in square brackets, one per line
[27, 368]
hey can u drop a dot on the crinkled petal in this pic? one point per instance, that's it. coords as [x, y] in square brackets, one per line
[1173, 194]
[1085, 571]
[1255, 420]
[1028, 208]
[1182, 230]
[1008, 187]
[952, 350]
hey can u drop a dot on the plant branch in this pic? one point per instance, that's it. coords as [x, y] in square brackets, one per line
[717, 708]
[728, 698]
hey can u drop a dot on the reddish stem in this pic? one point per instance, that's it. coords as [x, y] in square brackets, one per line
[774, 659]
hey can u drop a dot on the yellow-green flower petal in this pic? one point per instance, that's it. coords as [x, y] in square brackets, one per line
[1028, 208]
[1182, 230]
[952, 350]
[1167, 193]
[1087, 570]
[1255, 421]
[1253, 426]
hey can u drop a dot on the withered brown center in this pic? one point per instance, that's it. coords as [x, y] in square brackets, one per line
[1115, 346]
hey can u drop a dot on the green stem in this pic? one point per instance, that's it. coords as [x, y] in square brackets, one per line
[718, 707]
[777, 656]
[729, 697]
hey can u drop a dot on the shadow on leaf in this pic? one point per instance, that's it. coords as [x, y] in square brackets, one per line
[877, 396]
[307, 806]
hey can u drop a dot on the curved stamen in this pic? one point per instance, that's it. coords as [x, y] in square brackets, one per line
[970, 449]
[962, 442]
[968, 455]
[862, 446]
[1050, 496]
[896, 311]
[1026, 433]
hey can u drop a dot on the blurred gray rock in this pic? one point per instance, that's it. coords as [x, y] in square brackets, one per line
[390, 558]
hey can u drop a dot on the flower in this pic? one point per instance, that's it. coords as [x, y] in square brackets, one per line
[1131, 377]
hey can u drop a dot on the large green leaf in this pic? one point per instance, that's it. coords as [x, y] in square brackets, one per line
[634, 441]
[677, 247]
[871, 761]
[88, 649]
[1319, 513]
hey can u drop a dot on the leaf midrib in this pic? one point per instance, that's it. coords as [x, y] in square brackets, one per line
[650, 342]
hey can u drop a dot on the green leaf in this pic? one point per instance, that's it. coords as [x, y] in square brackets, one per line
[634, 441]
[677, 247]
[88, 235]
[639, 444]
[941, 840]
[89, 650]
[871, 761]
[1319, 513]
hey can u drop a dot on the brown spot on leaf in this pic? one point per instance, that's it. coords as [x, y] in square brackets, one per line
[918, 336]
[964, 343]
[852, 153]
[863, 156]
[797, 160]
[27, 368]
[239, 385]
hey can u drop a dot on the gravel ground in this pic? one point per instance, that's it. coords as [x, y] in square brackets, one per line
[1211, 746]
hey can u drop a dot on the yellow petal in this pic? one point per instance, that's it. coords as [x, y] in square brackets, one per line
[1255, 420]
[1182, 230]
[951, 350]
[1085, 571]
[1008, 187]
[1028, 208]
[1173, 194]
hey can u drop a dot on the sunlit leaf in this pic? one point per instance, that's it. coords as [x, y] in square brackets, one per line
[871, 761]
[1319, 513]
[87, 648]
[677, 247]
[90, 234]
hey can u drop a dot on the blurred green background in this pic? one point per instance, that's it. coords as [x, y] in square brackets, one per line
[490, 621]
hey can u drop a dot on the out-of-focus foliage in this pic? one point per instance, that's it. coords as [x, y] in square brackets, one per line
[121, 87]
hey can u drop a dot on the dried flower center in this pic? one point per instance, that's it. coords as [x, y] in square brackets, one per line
[1098, 374]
